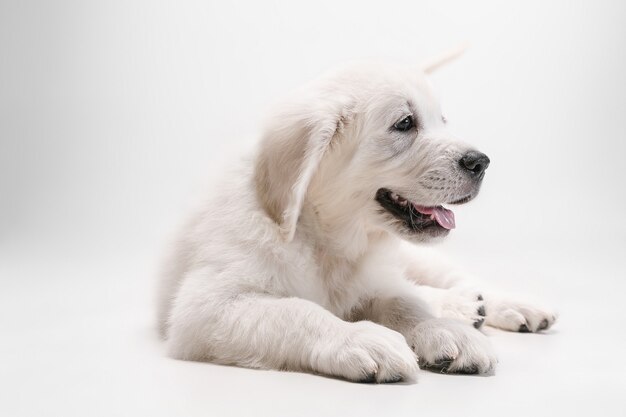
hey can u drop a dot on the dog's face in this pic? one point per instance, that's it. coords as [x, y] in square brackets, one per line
[376, 147]
[412, 164]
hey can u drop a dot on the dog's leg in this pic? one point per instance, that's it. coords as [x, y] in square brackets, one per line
[448, 290]
[460, 303]
[455, 294]
[425, 266]
[443, 344]
[258, 330]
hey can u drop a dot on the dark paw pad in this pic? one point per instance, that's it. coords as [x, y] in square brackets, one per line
[440, 365]
[544, 324]
[478, 323]
[480, 297]
[393, 379]
[468, 370]
[524, 328]
[481, 311]
[368, 379]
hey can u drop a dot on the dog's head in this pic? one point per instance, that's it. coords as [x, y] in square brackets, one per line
[366, 146]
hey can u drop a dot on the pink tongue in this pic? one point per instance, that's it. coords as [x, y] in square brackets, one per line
[442, 215]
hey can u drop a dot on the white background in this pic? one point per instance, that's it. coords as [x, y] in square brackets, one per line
[114, 115]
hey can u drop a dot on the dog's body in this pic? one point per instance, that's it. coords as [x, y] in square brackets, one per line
[298, 262]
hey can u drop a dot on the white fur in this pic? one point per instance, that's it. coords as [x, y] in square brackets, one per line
[292, 264]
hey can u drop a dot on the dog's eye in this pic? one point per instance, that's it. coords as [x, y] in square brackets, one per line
[404, 124]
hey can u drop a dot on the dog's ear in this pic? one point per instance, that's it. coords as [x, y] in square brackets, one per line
[290, 152]
[439, 61]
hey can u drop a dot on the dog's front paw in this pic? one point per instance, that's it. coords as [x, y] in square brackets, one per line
[450, 346]
[373, 353]
[516, 316]
[464, 304]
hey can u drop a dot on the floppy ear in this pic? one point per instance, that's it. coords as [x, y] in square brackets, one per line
[291, 150]
[439, 61]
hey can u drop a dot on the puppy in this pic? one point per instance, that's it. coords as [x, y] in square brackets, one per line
[305, 258]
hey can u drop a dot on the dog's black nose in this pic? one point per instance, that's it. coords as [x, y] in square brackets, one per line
[475, 163]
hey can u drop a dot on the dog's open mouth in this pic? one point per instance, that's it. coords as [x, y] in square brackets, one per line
[417, 217]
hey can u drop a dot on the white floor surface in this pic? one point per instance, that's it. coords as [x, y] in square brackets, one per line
[74, 346]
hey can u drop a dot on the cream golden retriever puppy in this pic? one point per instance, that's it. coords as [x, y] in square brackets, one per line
[306, 259]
